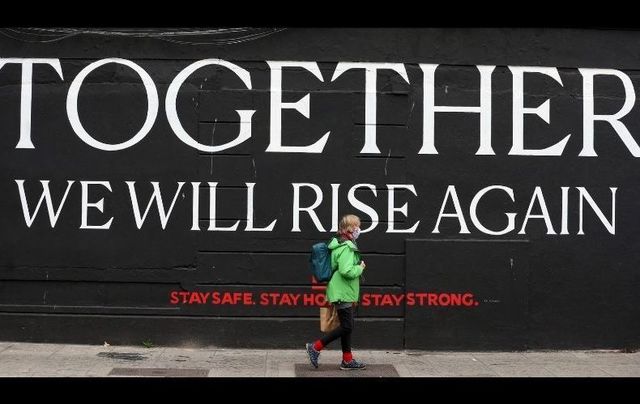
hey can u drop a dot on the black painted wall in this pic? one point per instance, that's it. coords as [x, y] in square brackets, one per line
[533, 290]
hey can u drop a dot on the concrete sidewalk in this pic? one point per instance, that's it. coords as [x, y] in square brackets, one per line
[60, 360]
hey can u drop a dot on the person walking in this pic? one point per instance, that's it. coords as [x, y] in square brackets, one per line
[343, 291]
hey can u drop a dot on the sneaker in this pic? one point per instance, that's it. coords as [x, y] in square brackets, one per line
[313, 355]
[353, 365]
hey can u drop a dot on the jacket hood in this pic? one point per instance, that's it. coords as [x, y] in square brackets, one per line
[334, 243]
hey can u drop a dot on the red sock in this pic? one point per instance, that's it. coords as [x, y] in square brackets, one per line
[318, 345]
[347, 357]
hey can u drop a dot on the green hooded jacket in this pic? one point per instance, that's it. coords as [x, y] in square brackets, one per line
[344, 285]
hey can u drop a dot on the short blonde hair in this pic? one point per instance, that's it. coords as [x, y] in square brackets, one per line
[348, 223]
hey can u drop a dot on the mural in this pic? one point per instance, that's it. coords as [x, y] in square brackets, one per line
[172, 191]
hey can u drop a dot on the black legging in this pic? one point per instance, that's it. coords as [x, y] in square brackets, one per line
[344, 331]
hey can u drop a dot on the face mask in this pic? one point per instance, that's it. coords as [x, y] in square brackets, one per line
[356, 233]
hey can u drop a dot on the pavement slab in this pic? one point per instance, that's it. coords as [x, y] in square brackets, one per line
[20, 359]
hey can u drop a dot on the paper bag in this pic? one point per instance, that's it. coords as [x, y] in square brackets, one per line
[329, 319]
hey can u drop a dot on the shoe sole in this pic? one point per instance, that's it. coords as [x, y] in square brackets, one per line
[364, 367]
[309, 356]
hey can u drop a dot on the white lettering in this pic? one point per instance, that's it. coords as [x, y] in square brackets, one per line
[74, 117]
[172, 111]
[97, 205]
[26, 92]
[46, 196]
[542, 111]
[370, 99]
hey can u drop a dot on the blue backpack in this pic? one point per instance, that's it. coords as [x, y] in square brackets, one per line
[320, 262]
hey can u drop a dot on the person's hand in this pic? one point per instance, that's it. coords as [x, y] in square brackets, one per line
[363, 265]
